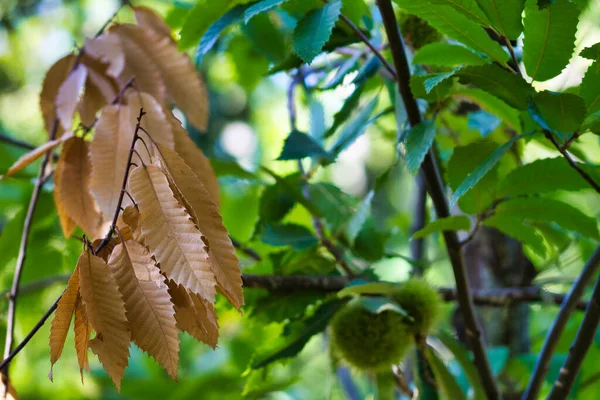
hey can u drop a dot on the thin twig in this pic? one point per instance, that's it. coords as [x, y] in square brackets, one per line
[579, 348]
[417, 246]
[16, 142]
[511, 50]
[247, 251]
[440, 202]
[568, 306]
[572, 162]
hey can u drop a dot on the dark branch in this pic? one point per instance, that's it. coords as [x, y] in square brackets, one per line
[569, 304]
[247, 251]
[440, 202]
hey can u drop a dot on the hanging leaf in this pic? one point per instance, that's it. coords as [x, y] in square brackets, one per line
[149, 309]
[261, 7]
[205, 213]
[450, 22]
[299, 145]
[69, 95]
[453, 223]
[108, 50]
[314, 30]
[342, 115]
[106, 312]
[170, 234]
[418, 141]
[520, 230]
[590, 88]
[549, 38]
[354, 128]
[72, 189]
[200, 322]
[559, 113]
[448, 55]
[56, 75]
[444, 377]
[210, 37]
[198, 20]
[62, 319]
[297, 236]
[468, 8]
[82, 335]
[147, 18]
[100, 90]
[28, 158]
[155, 121]
[505, 16]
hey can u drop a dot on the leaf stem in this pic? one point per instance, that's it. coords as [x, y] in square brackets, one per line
[440, 202]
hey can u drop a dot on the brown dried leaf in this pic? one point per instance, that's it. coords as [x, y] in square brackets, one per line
[184, 86]
[62, 318]
[195, 158]
[148, 304]
[154, 120]
[141, 65]
[69, 95]
[172, 237]
[201, 323]
[106, 312]
[205, 212]
[106, 250]
[108, 50]
[55, 77]
[34, 154]
[82, 335]
[72, 192]
[129, 226]
[147, 18]
[100, 90]
[109, 152]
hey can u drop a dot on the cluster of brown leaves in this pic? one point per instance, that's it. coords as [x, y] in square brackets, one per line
[159, 274]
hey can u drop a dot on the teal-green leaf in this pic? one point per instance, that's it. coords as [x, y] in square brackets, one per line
[519, 229]
[436, 95]
[505, 16]
[210, 36]
[359, 217]
[499, 82]
[455, 25]
[297, 236]
[444, 377]
[349, 105]
[549, 38]
[314, 30]
[492, 104]
[590, 88]
[354, 128]
[549, 210]
[483, 169]
[379, 304]
[267, 38]
[418, 141]
[546, 175]
[299, 145]
[435, 79]
[560, 113]
[260, 7]
[448, 55]
[336, 206]
[201, 17]
[453, 223]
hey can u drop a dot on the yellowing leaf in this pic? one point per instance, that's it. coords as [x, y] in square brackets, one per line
[72, 191]
[170, 234]
[147, 18]
[106, 312]
[34, 154]
[224, 262]
[82, 335]
[69, 95]
[200, 324]
[55, 76]
[148, 304]
[107, 49]
[62, 318]
[109, 151]
[184, 86]
[140, 64]
[195, 158]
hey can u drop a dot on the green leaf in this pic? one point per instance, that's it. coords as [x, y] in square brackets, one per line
[305, 262]
[590, 88]
[520, 230]
[301, 332]
[468, 8]
[453, 223]
[349, 105]
[498, 82]
[493, 105]
[359, 217]
[201, 17]
[549, 210]
[418, 141]
[297, 236]
[276, 200]
[483, 168]
[448, 55]
[299, 145]
[435, 79]
[355, 128]
[267, 38]
[505, 16]
[560, 113]
[367, 70]
[370, 242]
[295, 190]
[436, 95]
[336, 206]
[463, 357]
[231, 168]
[357, 287]
[592, 52]
[342, 72]
[314, 30]
[444, 378]
[546, 175]
[549, 38]
[209, 38]
[260, 7]
[455, 25]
